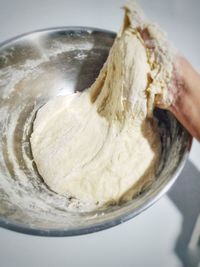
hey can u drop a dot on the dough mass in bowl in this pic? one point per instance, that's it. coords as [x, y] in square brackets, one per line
[102, 146]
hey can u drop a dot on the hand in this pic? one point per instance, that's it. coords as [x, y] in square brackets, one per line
[182, 96]
[185, 93]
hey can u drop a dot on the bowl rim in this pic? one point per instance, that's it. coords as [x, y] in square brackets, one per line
[55, 29]
[28, 229]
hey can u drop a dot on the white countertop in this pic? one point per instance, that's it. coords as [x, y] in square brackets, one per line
[160, 235]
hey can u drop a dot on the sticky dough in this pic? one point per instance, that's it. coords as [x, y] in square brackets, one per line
[100, 146]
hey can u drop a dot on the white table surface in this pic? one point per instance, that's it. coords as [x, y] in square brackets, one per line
[157, 237]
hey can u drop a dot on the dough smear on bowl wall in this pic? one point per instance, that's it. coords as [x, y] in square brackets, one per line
[102, 145]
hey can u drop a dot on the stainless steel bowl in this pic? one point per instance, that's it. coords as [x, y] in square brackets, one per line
[33, 68]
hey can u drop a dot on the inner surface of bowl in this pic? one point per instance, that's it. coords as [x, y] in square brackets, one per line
[34, 68]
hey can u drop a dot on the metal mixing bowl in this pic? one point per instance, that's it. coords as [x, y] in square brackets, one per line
[33, 68]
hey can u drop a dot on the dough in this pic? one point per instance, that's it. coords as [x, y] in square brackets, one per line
[102, 146]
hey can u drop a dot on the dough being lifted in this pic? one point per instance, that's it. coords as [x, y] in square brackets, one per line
[101, 146]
